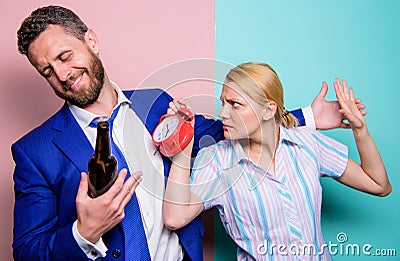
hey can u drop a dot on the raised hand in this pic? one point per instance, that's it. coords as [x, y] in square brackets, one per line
[348, 105]
[326, 113]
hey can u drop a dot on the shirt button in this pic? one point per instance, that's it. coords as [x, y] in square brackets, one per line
[93, 253]
[116, 253]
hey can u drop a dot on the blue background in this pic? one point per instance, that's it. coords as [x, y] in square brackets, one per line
[308, 42]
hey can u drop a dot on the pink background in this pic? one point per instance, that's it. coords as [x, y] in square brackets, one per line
[136, 39]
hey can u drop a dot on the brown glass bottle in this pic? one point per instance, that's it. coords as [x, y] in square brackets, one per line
[103, 169]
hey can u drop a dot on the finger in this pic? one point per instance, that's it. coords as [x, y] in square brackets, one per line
[173, 106]
[363, 113]
[345, 89]
[324, 90]
[117, 186]
[352, 95]
[344, 125]
[186, 103]
[129, 188]
[361, 106]
[357, 100]
[83, 186]
[339, 93]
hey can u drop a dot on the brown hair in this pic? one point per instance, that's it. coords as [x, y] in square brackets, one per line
[41, 18]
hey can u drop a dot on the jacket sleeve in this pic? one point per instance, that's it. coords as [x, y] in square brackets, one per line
[37, 234]
[206, 132]
[298, 113]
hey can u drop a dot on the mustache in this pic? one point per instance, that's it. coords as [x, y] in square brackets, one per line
[66, 85]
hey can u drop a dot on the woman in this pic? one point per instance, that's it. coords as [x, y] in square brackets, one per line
[264, 178]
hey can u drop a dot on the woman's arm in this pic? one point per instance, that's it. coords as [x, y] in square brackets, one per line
[180, 206]
[370, 176]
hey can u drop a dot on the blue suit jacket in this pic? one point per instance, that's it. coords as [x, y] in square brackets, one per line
[49, 161]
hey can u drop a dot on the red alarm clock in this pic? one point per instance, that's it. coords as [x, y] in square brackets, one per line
[174, 132]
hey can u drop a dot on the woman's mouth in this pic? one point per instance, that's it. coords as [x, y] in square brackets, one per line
[226, 127]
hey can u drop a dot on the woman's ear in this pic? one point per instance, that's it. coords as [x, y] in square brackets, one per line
[270, 110]
[91, 41]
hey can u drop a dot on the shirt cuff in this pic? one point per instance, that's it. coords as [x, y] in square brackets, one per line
[91, 250]
[309, 117]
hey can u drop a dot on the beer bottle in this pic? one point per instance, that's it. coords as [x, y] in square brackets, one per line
[103, 169]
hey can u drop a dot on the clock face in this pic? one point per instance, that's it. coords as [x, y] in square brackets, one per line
[165, 129]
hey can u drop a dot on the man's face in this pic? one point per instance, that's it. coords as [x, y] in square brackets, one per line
[69, 65]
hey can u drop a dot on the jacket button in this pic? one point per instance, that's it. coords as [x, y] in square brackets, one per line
[116, 253]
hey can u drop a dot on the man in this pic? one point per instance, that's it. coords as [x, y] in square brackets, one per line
[54, 218]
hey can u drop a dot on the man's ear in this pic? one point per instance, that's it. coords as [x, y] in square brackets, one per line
[91, 41]
[270, 110]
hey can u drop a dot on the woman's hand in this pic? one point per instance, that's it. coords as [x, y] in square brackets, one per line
[177, 104]
[348, 105]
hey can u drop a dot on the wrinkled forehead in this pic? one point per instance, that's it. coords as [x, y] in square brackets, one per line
[232, 92]
[244, 85]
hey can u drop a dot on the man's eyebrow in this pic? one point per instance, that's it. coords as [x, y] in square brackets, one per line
[43, 69]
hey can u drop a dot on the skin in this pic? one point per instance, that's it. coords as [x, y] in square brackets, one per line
[181, 206]
[69, 66]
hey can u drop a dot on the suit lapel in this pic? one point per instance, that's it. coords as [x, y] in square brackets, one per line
[71, 139]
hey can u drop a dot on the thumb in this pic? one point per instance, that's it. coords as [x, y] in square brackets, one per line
[324, 90]
[83, 185]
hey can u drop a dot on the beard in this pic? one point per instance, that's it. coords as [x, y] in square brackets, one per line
[85, 96]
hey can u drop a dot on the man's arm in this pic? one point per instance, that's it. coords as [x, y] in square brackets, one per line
[326, 113]
[37, 234]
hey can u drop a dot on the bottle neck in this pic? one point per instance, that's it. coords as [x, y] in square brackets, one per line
[103, 148]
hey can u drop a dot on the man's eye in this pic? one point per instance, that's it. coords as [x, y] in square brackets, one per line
[47, 73]
[65, 57]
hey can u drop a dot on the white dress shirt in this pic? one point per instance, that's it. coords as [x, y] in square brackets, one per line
[139, 152]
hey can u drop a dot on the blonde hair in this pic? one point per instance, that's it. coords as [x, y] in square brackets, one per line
[261, 83]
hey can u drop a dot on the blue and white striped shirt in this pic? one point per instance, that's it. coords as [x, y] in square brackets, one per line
[271, 217]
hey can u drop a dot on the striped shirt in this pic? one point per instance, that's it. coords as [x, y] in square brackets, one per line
[271, 217]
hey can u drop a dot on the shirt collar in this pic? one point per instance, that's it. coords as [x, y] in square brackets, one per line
[290, 136]
[240, 155]
[84, 117]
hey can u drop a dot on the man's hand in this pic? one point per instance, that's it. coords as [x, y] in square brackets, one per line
[98, 215]
[326, 113]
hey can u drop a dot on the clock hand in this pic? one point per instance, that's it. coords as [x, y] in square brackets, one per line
[167, 130]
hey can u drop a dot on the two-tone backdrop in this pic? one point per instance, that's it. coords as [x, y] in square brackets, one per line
[307, 42]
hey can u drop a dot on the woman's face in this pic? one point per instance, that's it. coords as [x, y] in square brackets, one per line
[241, 116]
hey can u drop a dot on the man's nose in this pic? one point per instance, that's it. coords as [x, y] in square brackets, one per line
[63, 72]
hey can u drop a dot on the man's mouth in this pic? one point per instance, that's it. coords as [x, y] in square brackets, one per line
[76, 84]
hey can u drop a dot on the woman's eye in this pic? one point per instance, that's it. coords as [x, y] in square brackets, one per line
[235, 104]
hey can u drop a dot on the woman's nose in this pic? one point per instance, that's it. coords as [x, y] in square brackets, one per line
[224, 113]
